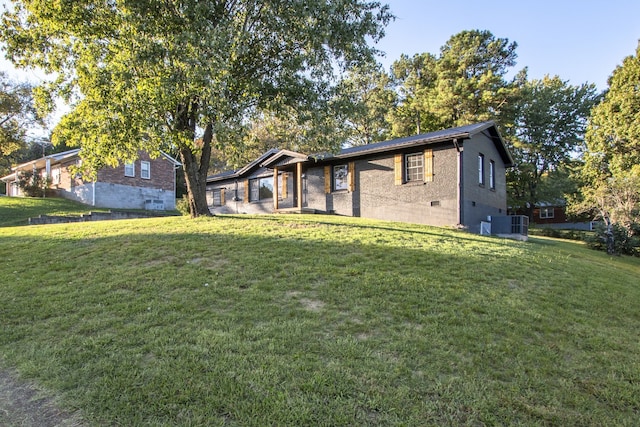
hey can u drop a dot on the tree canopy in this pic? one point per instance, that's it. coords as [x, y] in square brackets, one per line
[152, 74]
[415, 80]
[364, 99]
[611, 173]
[17, 116]
[465, 83]
[546, 135]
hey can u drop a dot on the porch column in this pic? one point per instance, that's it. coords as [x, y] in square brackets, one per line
[47, 171]
[275, 189]
[299, 184]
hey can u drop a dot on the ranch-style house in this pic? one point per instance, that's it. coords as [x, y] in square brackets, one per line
[453, 177]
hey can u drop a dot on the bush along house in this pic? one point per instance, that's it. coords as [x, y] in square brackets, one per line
[144, 184]
[454, 177]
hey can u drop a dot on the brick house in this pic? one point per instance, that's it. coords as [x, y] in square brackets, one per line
[453, 177]
[144, 184]
[554, 215]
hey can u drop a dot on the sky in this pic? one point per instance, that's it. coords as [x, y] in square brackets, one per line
[581, 41]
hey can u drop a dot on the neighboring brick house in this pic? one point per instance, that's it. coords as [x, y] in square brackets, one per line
[550, 213]
[554, 215]
[144, 184]
[453, 177]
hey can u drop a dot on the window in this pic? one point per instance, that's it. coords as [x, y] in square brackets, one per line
[145, 170]
[130, 169]
[55, 176]
[492, 175]
[215, 197]
[414, 167]
[260, 189]
[254, 190]
[340, 177]
[481, 169]
[546, 213]
[283, 178]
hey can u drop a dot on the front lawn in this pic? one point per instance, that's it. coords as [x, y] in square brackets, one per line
[17, 210]
[318, 320]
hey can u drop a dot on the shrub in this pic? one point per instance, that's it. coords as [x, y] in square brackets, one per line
[625, 242]
[33, 184]
[182, 205]
[559, 234]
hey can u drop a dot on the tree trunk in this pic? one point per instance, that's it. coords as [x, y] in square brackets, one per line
[195, 174]
[195, 169]
[530, 208]
[609, 238]
[196, 186]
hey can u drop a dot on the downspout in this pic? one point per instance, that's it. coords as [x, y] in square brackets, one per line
[93, 195]
[459, 183]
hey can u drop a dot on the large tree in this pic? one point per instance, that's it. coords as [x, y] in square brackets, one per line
[17, 115]
[415, 80]
[364, 99]
[148, 74]
[611, 173]
[464, 84]
[546, 135]
[471, 83]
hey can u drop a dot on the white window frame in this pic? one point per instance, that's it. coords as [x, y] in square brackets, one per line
[414, 167]
[130, 170]
[547, 213]
[481, 177]
[56, 175]
[145, 170]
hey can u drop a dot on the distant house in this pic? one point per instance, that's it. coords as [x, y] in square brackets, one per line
[453, 177]
[554, 215]
[144, 184]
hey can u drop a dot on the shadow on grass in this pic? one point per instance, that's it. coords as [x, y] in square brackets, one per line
[218, 327]
[418, 229]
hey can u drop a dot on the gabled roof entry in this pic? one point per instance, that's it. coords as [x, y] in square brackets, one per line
[283, 158]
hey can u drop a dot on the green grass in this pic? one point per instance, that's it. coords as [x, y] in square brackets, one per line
[17, 210]
[317, 320]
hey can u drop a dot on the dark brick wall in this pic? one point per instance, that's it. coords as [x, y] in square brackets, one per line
[482, 201]
[376, 194]
[238, 189]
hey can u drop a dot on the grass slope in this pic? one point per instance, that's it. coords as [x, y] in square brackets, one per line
[17, 210]
[312, 320]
